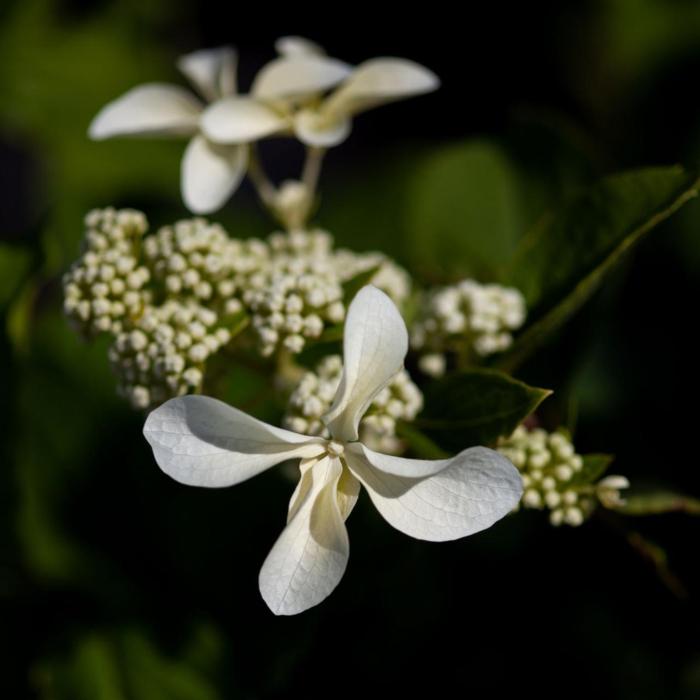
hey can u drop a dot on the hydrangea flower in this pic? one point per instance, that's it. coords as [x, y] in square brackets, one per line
[201, 441]
[215, 163]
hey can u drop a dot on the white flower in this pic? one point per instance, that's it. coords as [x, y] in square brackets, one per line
[200, 441]
[211, 171]
[371, 84]
[608, 490]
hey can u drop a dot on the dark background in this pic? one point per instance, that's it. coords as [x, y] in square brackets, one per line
[116, 582]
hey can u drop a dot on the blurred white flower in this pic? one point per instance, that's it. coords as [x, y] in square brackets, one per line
[200, 441]
[608, 490]
[211, 171]
[371, 84]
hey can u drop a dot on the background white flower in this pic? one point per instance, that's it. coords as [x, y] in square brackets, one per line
[200, 441]
[211, 171]
[371, 84]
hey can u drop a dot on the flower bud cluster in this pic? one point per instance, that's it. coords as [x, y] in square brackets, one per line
[299, 291]
[399, 400]
[469, 317]
[104, 290]
[169, 298]
[297, 294]
[164, 354]
[195, 259]
[548, 463]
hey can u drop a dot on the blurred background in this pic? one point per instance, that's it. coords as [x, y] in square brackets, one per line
[117, 583]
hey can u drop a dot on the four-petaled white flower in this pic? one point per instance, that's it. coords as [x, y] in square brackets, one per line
[371, 84]
[212, 167]
[294, 84]
[200, 441]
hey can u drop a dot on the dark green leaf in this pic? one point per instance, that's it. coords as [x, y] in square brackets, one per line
[419, 443]
[561, 264]
[121, 665]
[657, 502]
[354, 284]
[14, 266]
[463, 214]
[476, 407]
[594, 466]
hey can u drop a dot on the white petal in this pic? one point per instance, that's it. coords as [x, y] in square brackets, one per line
[211, 71]
[291, 46]
[378, 81]
[315, 129]
[148, 109]
[472, 491]
[211, 174]
[240, 120]
[375, 342]
[297, 76]
[309, 558]
[201, 441]
[400, 466]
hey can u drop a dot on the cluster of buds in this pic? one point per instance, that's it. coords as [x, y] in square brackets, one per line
[551, 473]
[199, 260]
[298, 292]
[170, 299]
[164, 354]
[467, 318]
[104, 290]
[399, 400]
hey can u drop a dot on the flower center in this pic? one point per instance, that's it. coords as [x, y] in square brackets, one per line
[335, 449]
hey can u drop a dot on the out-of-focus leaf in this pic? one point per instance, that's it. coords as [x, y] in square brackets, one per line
[594, 466]
[59, 425]
[562, 263]
[463, 213]
[14, 266]
[18, 322]
[354, 284]
[657, 557]
[476, 407]
[54, 84]
[331, 334]
[419, 443]
[657, 502]
[121, 665]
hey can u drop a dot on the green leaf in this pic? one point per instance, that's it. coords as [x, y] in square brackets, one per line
[331, 334]
[354, 284]
[120, 665]
[594, 466]
[14, 266]
[419, 443]
[463, 213]
[657, 502]
[561, 264]
[476, 407]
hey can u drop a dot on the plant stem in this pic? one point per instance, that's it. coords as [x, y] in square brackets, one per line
[263, 185]
[312, 168]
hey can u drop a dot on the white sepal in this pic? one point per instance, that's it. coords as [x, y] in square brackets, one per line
[211, 173]
[201, 441]
[310, 556]
[375, 342]
[211, 71]
[314, 129]
[298, 76]
[240, 120]
[291, 46]
[148, 109]
[472, 491]
[378, 81]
